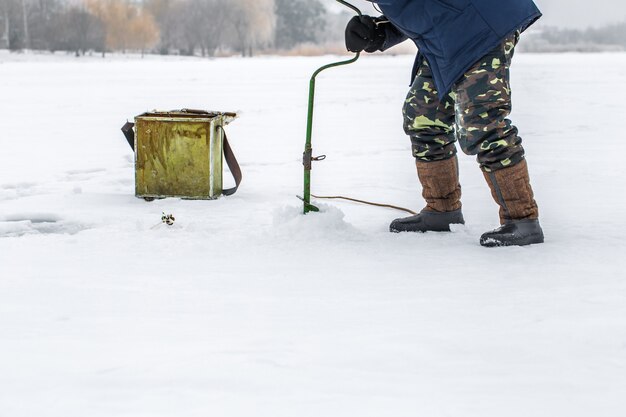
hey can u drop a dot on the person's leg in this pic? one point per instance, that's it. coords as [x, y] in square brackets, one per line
[483, 103]
[429, 123]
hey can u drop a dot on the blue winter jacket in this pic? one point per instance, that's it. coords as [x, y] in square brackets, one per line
[452, 35]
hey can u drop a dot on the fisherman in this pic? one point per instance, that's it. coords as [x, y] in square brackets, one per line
[460, 91]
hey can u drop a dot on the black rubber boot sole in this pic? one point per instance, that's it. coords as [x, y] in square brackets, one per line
[514, 233]
[427, 221]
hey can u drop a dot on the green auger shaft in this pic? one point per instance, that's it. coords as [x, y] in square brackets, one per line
[308, 149]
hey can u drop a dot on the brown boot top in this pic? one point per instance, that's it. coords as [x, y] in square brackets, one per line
[510, 188]
[440, 184]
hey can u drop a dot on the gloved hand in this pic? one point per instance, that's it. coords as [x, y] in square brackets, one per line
[363, 34]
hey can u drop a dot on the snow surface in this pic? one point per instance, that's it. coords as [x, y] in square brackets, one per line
[247, 308]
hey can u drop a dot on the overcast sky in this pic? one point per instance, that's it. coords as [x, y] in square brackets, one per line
[570, 13]
[582, 13]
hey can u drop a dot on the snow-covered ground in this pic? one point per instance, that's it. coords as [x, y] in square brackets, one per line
[247, 308]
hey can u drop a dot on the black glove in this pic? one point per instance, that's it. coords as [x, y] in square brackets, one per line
[363, 34]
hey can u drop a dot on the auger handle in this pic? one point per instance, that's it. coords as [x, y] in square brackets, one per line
[351, 6]
[308, 149]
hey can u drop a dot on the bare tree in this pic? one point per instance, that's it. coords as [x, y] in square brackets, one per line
[25, 20]
[82, 31]
[166, 14]
[5, 24]
[45, 24]
[212, 23]
[253, 23]
[202, 24]
[127, 26]
[30, 24]
[143, 31]
[299, 21]
[187, 28]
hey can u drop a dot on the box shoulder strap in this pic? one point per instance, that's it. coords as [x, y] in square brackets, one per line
[129, 134]
[233, 165]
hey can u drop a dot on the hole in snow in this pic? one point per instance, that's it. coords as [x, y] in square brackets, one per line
[21, 225]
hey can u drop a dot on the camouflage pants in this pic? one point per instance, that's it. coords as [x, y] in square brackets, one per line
[475, 112]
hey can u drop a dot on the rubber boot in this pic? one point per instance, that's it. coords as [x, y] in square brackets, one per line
[442, 192]
[519, 214]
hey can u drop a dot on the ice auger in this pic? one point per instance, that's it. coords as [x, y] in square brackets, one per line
[308, 157]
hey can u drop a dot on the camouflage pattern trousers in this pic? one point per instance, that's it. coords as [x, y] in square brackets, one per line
[475, 112]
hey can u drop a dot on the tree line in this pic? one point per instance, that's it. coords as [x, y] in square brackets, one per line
[186, 27]
[611, 37]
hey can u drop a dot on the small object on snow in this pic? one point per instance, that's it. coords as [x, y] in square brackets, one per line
[168, 219]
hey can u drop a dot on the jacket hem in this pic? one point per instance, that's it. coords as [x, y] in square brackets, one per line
[525, 24]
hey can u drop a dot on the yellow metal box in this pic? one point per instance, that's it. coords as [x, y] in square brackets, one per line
[180, 154]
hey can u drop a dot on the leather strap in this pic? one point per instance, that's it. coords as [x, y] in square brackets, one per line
[233, 165]
[229, 156]
[129, 134]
